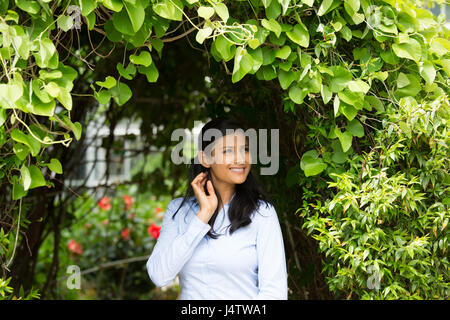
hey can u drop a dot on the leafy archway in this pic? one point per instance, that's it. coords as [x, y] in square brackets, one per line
[366, 82]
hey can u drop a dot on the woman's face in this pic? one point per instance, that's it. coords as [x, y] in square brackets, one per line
[231, 160]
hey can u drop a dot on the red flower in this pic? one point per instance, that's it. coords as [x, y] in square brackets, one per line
[158, 210]
[74, 247]
[128, 201]
[154, 230]
[104, 203]
[126, 234]
[131, 216]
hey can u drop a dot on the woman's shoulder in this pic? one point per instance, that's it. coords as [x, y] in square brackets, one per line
[175, 203]
[265, 209]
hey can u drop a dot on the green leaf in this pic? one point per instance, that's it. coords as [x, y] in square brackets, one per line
[47, 55]
[26, 178]
[169, 9]
[10, 93]
[297, 93]
[266, 3]
[127, 73]
[324, 6]
[224, 47]
[373, 101]
[286, 78]
[157, 44]
[243, 63]
[299, 34]
[340, 79]
[311, 164]
[345, 138]
[257, 59]
[103, 96]
[50, 75]
[339, 156]
[2, 116]
[87, 6]
[150, 72]
[336, 104]
[55, 166]
[136, 13]
[65, 98]
[121, 93]
[29, 141]
[410, 50]
[52, 89]
[440, 46]
[68, 72]
[144, 59]
[410, 85]
[427, 71]
[266, 73]
[205, 12]
[358, 86]
[274, 10]
[108, 83]
[402, 80]
[222, 11]
[355, 99]
[42, 108]
[75, 127]
[326, 93]
[21, 151]
[283, 53]
[37, 179]
[32, 7]
[348, 111]
[272, 25]
[65, 23]
[354, 4]
[122, 23]
[309, 3]
[18, 191]
[202, 34]
[114, 5]
[346, 33]
[355, 128]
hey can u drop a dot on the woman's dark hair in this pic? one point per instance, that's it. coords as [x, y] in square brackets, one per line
[248, 194]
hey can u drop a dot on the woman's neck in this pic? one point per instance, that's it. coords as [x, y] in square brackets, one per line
[226, 192]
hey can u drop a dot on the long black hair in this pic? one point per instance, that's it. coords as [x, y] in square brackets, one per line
[247, 195]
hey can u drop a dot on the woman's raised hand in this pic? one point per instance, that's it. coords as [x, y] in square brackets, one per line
[208, 204]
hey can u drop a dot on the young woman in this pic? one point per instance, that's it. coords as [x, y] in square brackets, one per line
[227, 241]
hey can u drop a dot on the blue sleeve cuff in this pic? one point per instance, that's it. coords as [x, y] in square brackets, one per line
[196, 231]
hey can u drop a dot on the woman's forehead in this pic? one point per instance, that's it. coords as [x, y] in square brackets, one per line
[231, 140]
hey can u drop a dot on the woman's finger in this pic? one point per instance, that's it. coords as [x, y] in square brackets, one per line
[198, 177]
[210, 188]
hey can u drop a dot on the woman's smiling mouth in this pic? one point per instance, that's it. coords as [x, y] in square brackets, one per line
[237, 169]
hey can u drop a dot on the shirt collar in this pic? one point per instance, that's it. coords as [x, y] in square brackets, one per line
[226, 205]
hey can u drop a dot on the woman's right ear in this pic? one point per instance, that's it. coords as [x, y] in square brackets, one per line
[203, 159]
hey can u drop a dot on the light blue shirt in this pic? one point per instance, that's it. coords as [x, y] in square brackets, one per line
[249, 264]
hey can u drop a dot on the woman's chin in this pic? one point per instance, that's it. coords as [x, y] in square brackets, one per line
[239, 180]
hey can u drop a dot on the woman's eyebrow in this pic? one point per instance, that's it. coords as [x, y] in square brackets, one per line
[232, 146]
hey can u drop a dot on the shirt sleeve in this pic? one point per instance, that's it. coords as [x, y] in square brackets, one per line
[172, 250]
[272, 273]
